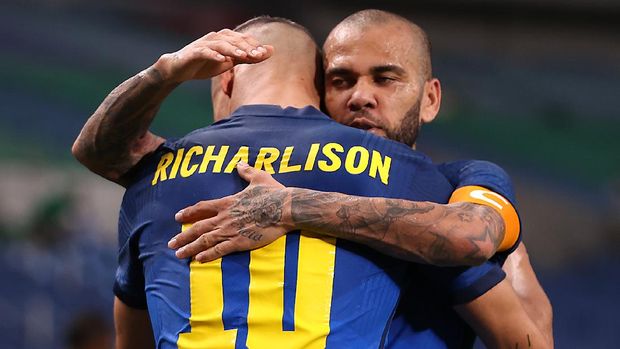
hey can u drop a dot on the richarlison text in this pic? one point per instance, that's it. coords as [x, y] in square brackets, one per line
[329, 157]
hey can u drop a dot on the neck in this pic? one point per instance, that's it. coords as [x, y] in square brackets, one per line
[291, 91]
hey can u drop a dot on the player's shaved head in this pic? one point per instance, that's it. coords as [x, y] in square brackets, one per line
[295, 51]
[265, 19]
[292, 74]
[371, 19]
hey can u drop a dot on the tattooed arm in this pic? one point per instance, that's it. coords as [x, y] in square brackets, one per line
[455, 234]
[116, 136]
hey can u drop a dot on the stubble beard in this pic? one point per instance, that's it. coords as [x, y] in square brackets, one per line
[409, 128]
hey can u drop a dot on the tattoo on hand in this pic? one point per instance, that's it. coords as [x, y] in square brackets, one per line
[252, 235]
[259, 206]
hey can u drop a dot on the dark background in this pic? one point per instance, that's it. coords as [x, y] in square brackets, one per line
[530, 85]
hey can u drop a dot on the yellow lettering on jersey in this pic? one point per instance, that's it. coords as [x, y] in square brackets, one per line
[362, 164]
[380, 164]
[207, 305]
[160, 173]
[218, 159]
[186, 170]
[241, 155]
[177, 163]
[265, 159]
[315, 276]
[286, 157]
[328, 151]
[314, 150]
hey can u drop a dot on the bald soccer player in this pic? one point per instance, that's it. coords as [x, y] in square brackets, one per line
[376, 84]
[156, 178]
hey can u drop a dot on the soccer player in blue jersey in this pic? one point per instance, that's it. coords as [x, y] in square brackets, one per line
[180, 164]
[363, 55]
[298, 291]
[368, 85]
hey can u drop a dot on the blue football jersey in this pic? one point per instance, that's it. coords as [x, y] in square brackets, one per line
[425, 317]
[302, 291]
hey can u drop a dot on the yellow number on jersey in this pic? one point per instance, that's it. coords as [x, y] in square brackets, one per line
[315, 274]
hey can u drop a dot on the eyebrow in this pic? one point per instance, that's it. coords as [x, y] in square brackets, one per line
[338, 71]
[388, 68]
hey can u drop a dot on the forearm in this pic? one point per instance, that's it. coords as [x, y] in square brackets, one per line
[455, 234]
[116, 136]
[520, 274]
[500, 321]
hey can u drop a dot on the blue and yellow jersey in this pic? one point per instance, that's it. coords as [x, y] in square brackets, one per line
[302, 291]
[425, 317]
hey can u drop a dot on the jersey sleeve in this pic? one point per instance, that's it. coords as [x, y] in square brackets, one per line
[462, 284]
[485, 183]
[138, 170]
[129, 281]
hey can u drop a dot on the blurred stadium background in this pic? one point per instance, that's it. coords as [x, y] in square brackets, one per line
[533, 85]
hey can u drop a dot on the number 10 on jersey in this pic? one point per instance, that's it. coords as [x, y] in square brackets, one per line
[266, 319]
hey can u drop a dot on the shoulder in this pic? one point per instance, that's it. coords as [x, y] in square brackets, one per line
[487, 174]
[468, 168]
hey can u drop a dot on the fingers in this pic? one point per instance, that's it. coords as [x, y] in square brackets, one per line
[193, 233]
[256, 176]
[244, 42]
[247, 172]
[202, 243]
[228, 49]
[242, 47]
[202, 210]
[218, 251]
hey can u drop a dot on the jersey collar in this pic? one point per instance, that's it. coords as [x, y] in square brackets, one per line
[276, 110]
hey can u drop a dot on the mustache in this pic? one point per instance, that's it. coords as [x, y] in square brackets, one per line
[365, 114]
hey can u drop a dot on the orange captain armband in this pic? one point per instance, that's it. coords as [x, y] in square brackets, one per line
[484, 196]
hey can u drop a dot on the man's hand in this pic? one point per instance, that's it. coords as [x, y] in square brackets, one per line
[252, 218]
[116, 137]
[422, 232]
[211, 55]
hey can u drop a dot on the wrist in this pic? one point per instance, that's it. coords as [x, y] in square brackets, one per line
[287, 216]
[161, 73]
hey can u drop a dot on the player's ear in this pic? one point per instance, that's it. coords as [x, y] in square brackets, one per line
[226, 81]
[431, 100]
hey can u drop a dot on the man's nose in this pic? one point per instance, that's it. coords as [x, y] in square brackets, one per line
[363, 97]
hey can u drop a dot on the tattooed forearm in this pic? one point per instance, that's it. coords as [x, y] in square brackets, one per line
[116, 136]
[456, 234]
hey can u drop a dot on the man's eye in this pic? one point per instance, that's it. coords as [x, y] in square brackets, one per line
[384, 80]
[339, 82]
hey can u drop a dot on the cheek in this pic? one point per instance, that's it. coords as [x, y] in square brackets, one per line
[336, 106]
[400, 102]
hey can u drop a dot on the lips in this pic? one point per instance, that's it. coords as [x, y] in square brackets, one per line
[364, 124]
